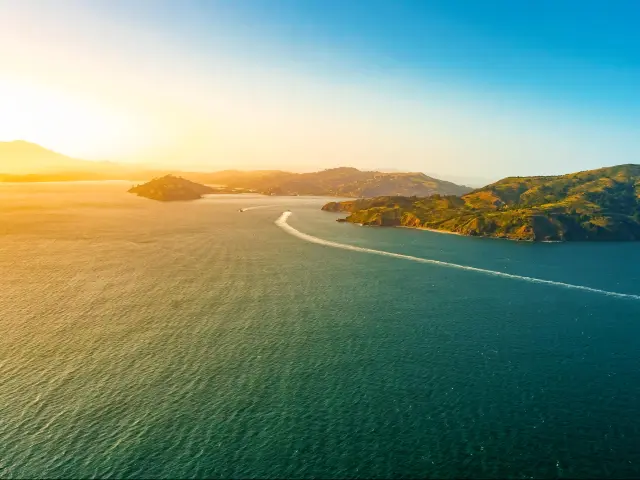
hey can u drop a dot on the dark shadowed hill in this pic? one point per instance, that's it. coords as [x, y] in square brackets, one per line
[170, 188]
[601, 204]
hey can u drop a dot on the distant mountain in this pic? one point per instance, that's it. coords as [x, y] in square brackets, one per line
[22, 161]
[171, 188]
[337, 182]
[601, 204]
[471, 181]
[27, 162]
[20, 157]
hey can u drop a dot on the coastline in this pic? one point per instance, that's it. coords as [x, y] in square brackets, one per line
[446, 232]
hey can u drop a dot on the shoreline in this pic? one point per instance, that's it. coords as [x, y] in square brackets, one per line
[446, 232]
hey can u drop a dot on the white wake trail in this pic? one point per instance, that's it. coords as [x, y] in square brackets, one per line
[282, 223]
[256, 208]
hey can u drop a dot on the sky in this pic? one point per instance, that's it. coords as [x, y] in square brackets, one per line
[464, 89]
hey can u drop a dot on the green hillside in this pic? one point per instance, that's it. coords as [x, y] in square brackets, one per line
[601, 204]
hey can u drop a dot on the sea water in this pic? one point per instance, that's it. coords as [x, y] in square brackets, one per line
[189, 339]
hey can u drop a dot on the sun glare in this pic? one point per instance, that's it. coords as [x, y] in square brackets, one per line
[67, 122]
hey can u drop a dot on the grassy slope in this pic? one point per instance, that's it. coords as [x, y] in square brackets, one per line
[599, 204]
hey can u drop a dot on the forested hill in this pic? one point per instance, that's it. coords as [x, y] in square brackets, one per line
[602, 204]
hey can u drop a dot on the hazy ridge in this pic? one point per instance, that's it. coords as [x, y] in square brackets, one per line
[26, 162]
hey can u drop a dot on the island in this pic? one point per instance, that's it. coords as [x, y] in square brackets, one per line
[602, 204]
[171, 188]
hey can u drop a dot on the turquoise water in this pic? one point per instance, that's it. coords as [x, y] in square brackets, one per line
[142, 339]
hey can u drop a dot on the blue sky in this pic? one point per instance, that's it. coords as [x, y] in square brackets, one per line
[463, 88]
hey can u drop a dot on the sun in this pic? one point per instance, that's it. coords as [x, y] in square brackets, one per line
[69, 122]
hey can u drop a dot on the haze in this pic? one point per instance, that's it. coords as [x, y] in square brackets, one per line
[461, 89]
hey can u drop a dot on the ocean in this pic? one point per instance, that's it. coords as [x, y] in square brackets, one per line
[169, 340]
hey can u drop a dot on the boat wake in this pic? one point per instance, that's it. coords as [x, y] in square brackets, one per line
[247, 209]
[283, 224]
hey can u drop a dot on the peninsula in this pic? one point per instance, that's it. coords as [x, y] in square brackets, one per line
[602, 204]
